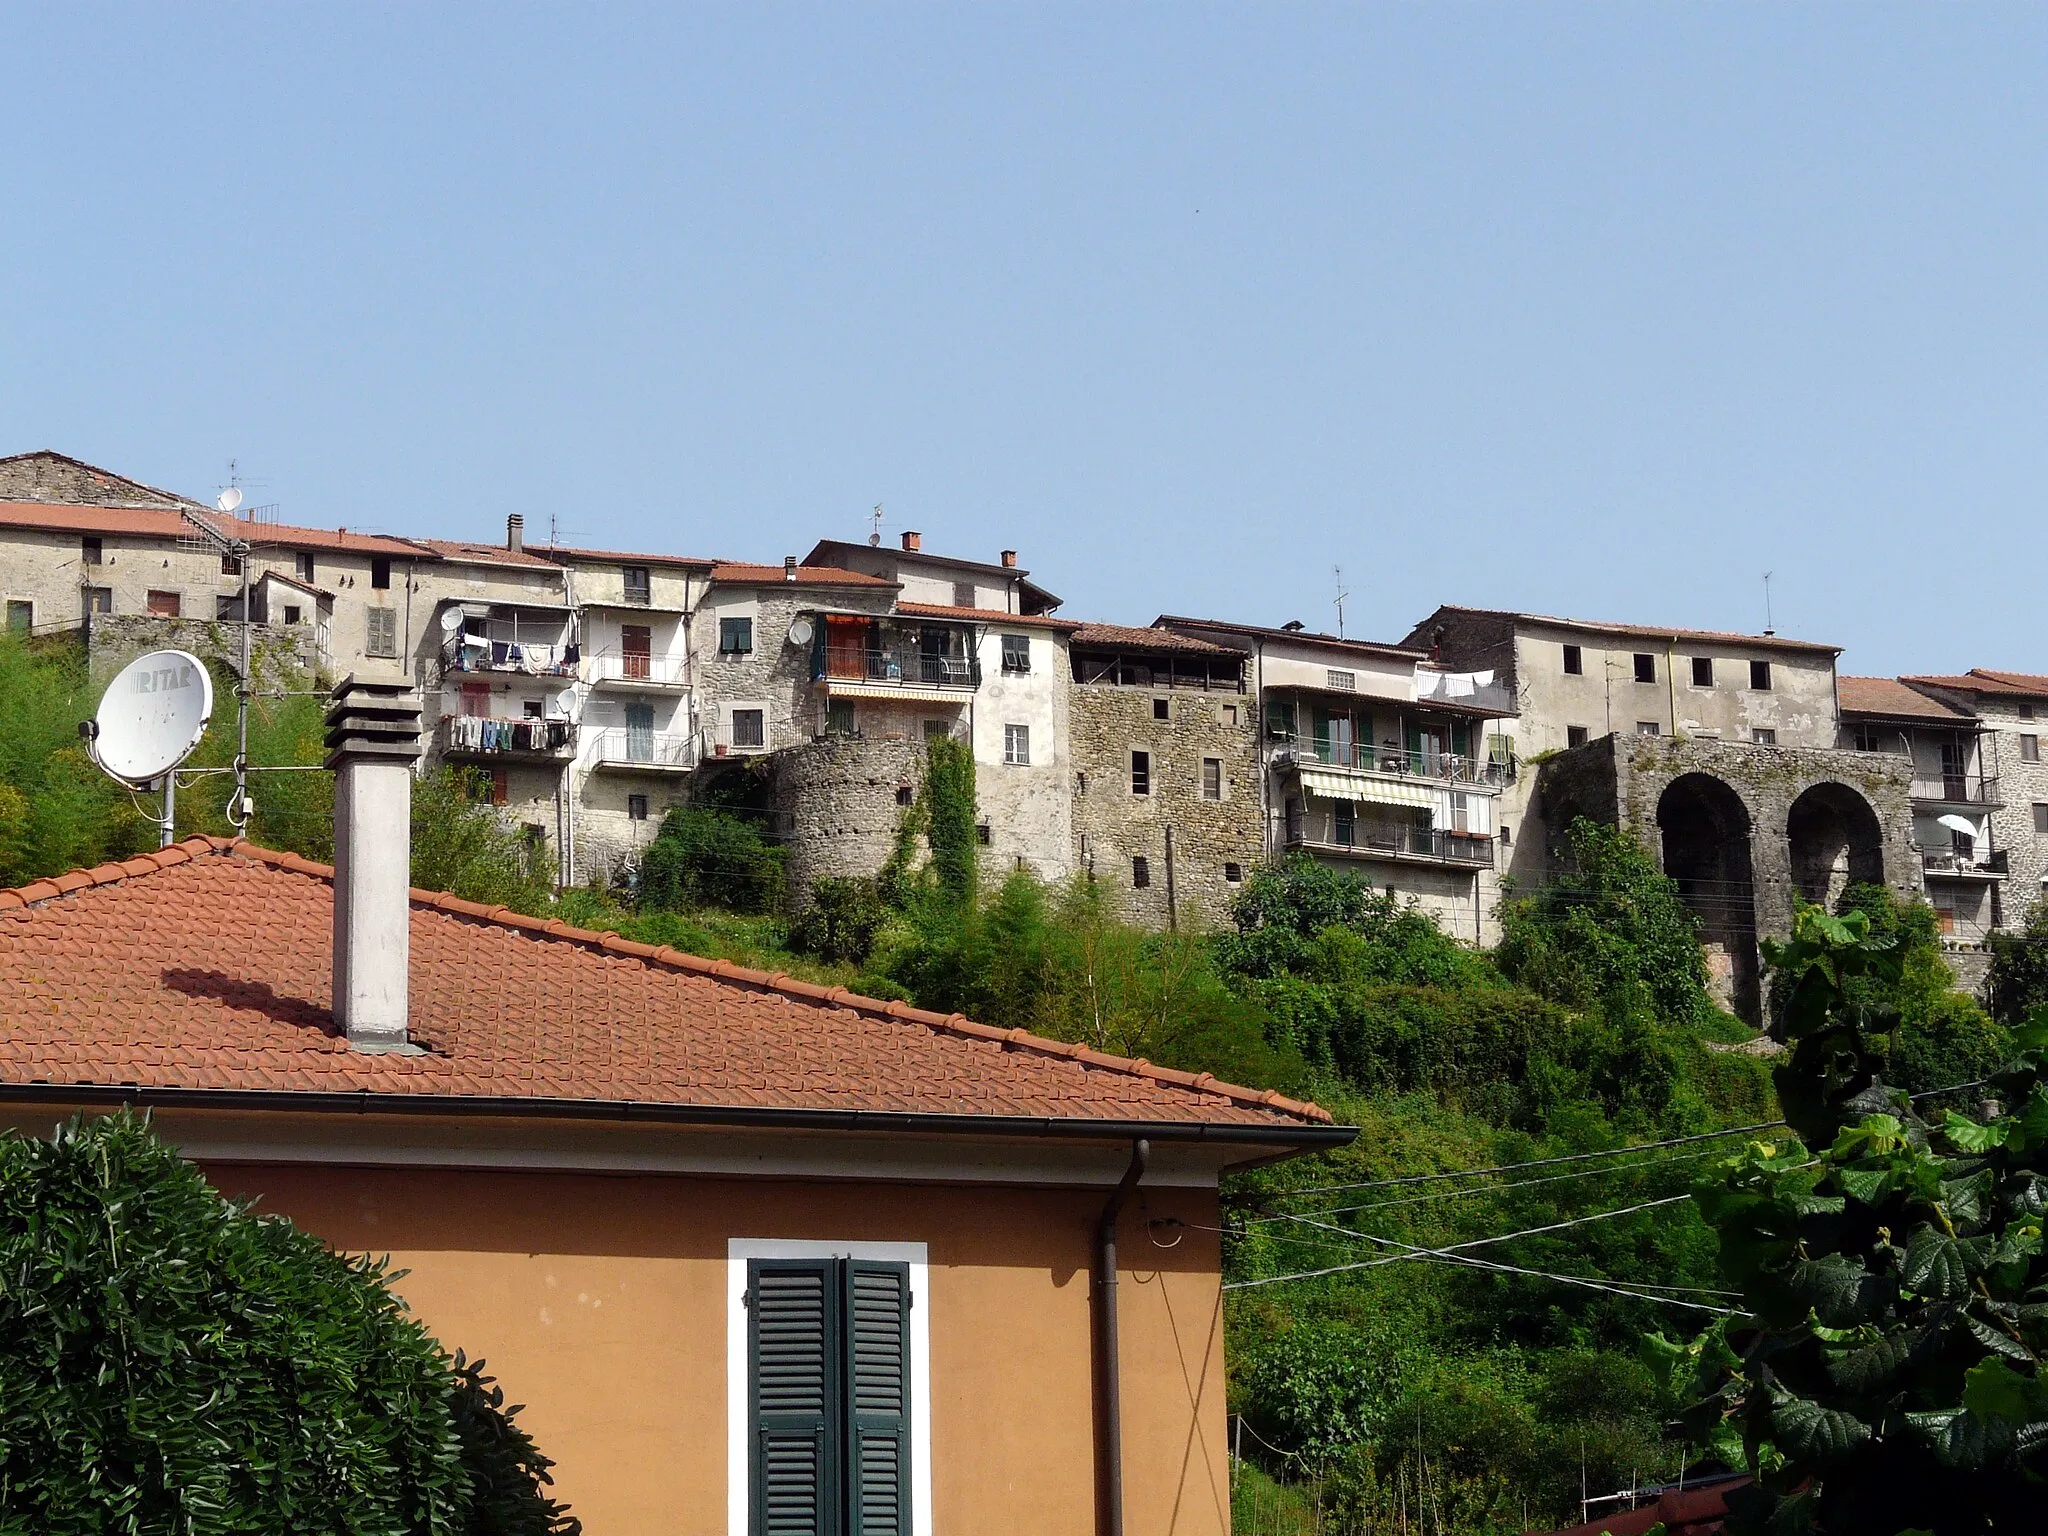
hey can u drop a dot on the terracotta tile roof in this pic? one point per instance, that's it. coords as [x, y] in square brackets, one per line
[142, 523]
[208, 965]
[986, 616]
[477, 553]
[622, 556]
[1304, 636]
[2013, 685]
[1646, 631]
[1892, 697]
[1131, 637]
[739, 573]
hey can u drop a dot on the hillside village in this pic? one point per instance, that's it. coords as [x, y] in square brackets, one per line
[599, 688]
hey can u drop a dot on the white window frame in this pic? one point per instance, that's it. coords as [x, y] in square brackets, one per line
[738, 1250]
[1011, 738]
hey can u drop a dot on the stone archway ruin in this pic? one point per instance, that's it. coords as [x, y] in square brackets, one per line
[1705, 831]
[1835, 841]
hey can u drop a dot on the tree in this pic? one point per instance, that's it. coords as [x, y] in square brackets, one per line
[170, 1361]
[461, 844]
[2018, 983]
[1884, 1372]
[709, 857]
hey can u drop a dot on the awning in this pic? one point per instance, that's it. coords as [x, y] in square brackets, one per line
[1370, 791]
[848, 688]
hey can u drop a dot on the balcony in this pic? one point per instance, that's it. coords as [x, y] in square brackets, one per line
[1958, 789]
[628, 748]
[1421, 845]
[473, 654]
[858, 669]
[636, 672]
[1437, 767]
[1947, 860]
[498, 740]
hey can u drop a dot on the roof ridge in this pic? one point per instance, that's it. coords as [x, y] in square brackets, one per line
[186, 851]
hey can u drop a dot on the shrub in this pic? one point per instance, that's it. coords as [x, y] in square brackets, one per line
[1301, 916]
[461, 843]
[170, 1361]
[841, 921]
[2018, 983]
[707, 857]
[949, 814]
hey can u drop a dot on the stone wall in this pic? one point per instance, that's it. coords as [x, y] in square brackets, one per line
[280, 657]
[1113, 826]
[838, 802]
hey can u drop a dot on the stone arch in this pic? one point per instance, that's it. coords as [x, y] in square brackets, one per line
[1835, 841]
[1705, 831]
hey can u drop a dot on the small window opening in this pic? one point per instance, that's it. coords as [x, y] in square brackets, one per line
[1233, 874]
[1763, 736]
[1646, 667]
[1703, 671]
[983, 834]
[636, 807]
[1760, 676]
[380, 572]
[1574, 661]
[1576, 736]
[1162, 709]
[1141, 873]
[1649, 728]
[1212, 778]
[1141, 773]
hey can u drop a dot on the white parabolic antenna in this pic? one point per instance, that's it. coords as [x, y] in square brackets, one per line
[800, 631]
[451, 620]
[152, 715]
[229, 499]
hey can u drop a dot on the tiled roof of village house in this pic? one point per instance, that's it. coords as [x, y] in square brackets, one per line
[740, 573]
[480, 553]
[1644, 631]
[1131, 637]
[208, 966]
[622, 556]
[2017, 685]
[1304, 636]
[986, 616]
[143, 523]
[1890, 696]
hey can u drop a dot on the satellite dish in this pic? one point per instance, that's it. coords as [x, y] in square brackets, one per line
[152, 716]
[451, 621]
[229, 499]
[800, 631]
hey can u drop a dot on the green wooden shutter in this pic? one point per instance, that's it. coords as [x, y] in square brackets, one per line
[1461, 737]
[1321, 720]
[1279, 716]
[791, 1352]
[877, 1353]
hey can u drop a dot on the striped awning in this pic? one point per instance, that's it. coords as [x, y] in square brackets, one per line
[912, 693]
[1329, 784]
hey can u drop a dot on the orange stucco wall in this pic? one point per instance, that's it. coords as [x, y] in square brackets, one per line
[600, 1302]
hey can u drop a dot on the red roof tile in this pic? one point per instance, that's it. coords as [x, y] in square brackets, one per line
[739, 573]
[209, 965]
[143, 523]
[478, 552]
[1130, 637]
[1890, 696]
[986, 616]
[2016, 685]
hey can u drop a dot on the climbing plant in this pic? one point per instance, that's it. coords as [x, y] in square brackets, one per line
[949, 814]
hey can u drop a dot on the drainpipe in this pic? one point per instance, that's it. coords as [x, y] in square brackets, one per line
[1111, 1518]
[1671, 680]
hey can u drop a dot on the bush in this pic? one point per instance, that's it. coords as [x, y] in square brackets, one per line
[460, 843]
[841, 921]
[170, 1361]
[2018, 983]
[710, 858]
[1302, 916]
[949, 814]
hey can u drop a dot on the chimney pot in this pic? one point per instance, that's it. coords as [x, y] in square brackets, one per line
[373, 736]
[515, 533]
[789, 567]
[1009, 559]
[913, 541]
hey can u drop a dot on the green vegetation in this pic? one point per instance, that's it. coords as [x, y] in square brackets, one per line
[170, 1361]
[1884, 1374]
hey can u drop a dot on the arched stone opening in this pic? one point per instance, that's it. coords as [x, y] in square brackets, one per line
[1706, 829]
[1835, 841]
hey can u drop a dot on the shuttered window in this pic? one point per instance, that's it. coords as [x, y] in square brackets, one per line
[829, 1389]
[381, 632]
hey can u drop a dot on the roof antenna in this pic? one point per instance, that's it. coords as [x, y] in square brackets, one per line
[1342, 593]
[1769, 627]
[875, 530]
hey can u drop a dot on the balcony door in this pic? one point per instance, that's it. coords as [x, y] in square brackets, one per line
[640, 733]
[636, 649]
[849, 651]
[1955, 775]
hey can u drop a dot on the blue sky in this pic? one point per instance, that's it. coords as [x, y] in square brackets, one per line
[1594, 309]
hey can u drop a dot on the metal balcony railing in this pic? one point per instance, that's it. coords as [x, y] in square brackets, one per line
[1957, 788]
[473, 655]
[1948, 859]
[489, 736]
[909, 665]
[1446, 767]
[628, 747]
[1474, 849]
[633, 667]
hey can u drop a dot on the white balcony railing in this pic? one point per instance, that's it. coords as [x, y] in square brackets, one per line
[624, 746]
[632, 670]
[1448, 767]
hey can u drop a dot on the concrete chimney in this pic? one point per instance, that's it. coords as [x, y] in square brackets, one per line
[515, 533]
[1009, 559]
[373, 738]
[913, 542]
[789, 567]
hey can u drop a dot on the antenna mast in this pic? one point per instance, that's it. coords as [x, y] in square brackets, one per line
[1342, 594]
[239, 807]
[875, 527]
[1770, 626]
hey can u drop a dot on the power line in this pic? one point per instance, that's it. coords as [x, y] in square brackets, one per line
[1498, 1189]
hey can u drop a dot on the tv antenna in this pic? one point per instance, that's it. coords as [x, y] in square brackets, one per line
[875, 527]
[1342, 594]
[148, 721]
[1770, 626]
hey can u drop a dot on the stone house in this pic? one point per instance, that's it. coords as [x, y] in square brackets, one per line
[2010, 708]
[1169, 818]
[1377, 762]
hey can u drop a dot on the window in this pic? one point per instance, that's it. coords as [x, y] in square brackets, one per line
[1017, 746]
[380, 572]
[536, 836]
[1574, 661]
[90, 551]
[905, 795]
[162, 605]
[639, 586]
[1212, 778]
[1141, 873]
[963, 594]
[21, 617]
[1760, 676]
[305, 565]
[501, 786]
[636, 807]
[1575, 736]
[983, 835]
[1703, 671]
[2041, 818]
[1233, 874]
[529, 709]
[839, 717]
[1162, 709]
[2030, 749]
[1141, 773]
[2024, 710]
[231, 565]
[1226, 714]
[1279, 717]
[936, 728]
[1867, 738]
[1648, 728]
[829, 1393]
[749, 728]
[381, 633]
[291, 613]
[735, 637]
[1646, 667]
[1016, 653]
[1763, 737]
[98, 599]
[1343, 682]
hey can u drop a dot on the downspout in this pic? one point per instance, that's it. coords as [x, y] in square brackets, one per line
[1111, 1515]
[1671, 680]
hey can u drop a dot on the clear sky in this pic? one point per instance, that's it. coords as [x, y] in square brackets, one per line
[1593, 309]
